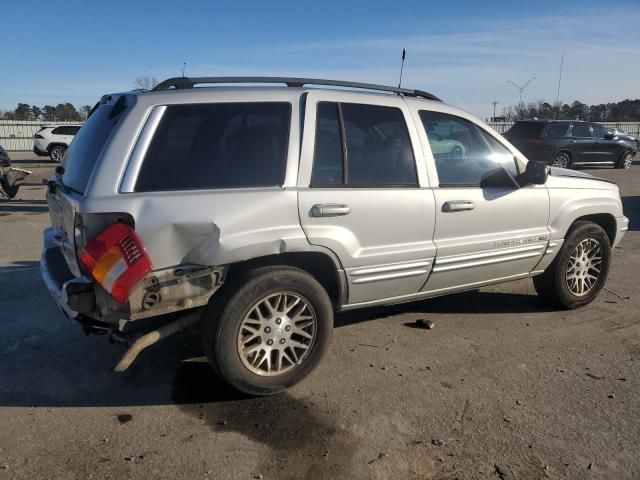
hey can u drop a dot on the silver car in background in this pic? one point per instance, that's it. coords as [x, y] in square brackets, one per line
[262, 211]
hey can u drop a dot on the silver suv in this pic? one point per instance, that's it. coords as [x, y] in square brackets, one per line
[262, 211]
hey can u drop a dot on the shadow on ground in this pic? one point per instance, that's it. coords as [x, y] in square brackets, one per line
[631, 207]
[46, 360]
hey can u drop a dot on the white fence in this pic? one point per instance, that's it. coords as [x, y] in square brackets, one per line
[17, 135]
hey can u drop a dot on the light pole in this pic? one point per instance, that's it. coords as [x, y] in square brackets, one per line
[521, 87]
[494, 103]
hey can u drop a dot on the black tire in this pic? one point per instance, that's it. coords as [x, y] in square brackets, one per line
[223, 318]
[561, 160]
[625, 161]
[56, 153]
[552, 285]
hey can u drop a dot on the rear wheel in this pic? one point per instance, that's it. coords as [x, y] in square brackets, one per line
[268, 330]
[625, 160]
[56, 154]
[579, 271]
[561, 160]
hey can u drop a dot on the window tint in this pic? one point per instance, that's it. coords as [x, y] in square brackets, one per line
[465, 154]
[86, 147]
[557, 130]
[599, 131]
[58, 131]
[581, 130]
[377, 144]
[525, 130]
[221, 145]
[73, 130]
[327, 160]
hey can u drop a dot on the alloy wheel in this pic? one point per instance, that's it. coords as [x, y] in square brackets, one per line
[627, 160]
[277, 334]
[561, 160]
[584, 267]
[57, 154]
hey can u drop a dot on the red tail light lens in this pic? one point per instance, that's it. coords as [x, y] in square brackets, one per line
[37, 136]
[117, 260]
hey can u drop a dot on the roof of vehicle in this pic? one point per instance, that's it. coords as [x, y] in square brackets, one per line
[548, 120]
[182, 83]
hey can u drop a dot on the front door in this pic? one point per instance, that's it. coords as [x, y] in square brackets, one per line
[363, 195]
[607, 150]
[488, 229]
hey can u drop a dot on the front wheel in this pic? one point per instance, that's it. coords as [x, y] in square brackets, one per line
[579, 271]
[625, 160]
[268, 330]
[56, 154]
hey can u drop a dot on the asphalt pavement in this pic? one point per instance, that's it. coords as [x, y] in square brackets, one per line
[501, 387]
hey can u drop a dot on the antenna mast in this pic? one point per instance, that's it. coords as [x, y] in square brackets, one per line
[560, 77]
[404, 54]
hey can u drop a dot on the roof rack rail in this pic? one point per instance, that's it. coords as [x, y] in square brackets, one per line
[188, 82]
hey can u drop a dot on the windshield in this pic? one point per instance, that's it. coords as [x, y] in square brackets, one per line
[87, 145]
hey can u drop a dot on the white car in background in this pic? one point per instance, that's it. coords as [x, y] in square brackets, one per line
[53, 141]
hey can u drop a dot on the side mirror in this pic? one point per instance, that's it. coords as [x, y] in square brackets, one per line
[536, 173]
[609, 136]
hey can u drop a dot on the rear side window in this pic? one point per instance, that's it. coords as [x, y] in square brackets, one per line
[464, 154]
[581, 130]
[219, 145]
[85, 149]
[599, 131]
[58, 131]
[526, 130]
[557, 130]
[362, 145]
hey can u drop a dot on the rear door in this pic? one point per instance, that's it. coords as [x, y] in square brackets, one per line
[582, 144]
[362, 194]
[488, 229]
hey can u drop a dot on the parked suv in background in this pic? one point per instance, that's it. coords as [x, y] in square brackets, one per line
[269, 209]
[564, 143]
[54, 141]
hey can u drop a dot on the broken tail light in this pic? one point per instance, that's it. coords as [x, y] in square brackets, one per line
[117, 260]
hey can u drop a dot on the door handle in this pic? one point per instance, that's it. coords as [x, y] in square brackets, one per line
[457, 205]
[330, 210]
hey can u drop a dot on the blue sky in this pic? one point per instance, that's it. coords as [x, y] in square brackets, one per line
[461, 50]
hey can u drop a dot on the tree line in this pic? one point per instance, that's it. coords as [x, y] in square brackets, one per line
[63, 112]
[624, 111]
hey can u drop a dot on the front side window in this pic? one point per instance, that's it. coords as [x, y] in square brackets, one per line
[218, 145]
[581, 130]
[362, 145]
[464, 154]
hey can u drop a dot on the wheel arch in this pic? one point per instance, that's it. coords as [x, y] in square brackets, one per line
[318, 264]
[605, 220]
[56, 144]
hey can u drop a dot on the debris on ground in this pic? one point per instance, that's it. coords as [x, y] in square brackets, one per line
[428, 324]
[380, 456]
[616, 294]
[124, 418]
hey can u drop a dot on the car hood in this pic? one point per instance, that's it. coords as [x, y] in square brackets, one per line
[564, 177]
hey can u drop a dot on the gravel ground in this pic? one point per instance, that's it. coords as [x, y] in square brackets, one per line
[502, 387]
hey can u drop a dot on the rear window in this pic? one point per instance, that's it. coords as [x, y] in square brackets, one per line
[219, 145]
[87, 145]
[525, 130]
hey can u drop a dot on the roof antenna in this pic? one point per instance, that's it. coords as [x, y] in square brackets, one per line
[404, 54]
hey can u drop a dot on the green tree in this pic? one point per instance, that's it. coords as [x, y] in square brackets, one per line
[36, 112]
[49, 113]
[66, 112]
[22, 112]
